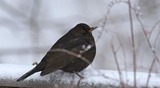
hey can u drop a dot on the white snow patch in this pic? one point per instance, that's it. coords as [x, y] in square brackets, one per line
[91, 76]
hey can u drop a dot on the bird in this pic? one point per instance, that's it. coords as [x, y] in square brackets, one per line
[72, 53]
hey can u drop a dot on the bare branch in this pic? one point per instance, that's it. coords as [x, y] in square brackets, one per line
[117, 64]
[133, 42]
[71, 53]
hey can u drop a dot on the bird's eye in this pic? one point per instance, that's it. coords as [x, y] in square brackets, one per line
[83, 31]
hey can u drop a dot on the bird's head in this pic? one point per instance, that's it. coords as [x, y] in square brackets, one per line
[83, 28]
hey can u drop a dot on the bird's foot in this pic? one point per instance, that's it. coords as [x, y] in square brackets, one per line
[81, 78]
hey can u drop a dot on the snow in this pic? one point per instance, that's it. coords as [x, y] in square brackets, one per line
[91, 75]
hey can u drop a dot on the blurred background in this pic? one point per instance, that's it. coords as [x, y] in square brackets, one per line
[28, 28]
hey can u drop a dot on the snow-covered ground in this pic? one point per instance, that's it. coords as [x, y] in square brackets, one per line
[92, 76]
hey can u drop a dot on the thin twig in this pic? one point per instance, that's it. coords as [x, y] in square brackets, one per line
[154, 60]
[103, 24]
[71, 53]
[149, 73]
[153, 28]
[152, 48]
[156, 39]
[117, 64]
[133, 42]
[125, 62]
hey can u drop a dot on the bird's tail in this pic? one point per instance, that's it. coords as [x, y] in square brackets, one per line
[26, 75]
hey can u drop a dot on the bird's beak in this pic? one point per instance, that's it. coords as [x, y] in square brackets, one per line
[92, 28]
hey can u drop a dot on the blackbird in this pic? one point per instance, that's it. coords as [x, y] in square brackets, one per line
[72, 53]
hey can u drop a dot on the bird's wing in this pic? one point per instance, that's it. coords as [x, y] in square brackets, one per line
[54, 61]
[59, 59]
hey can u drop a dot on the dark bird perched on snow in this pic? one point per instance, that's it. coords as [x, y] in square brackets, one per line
[72, 53]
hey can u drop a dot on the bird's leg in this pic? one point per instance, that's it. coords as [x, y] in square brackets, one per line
[80, 76]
